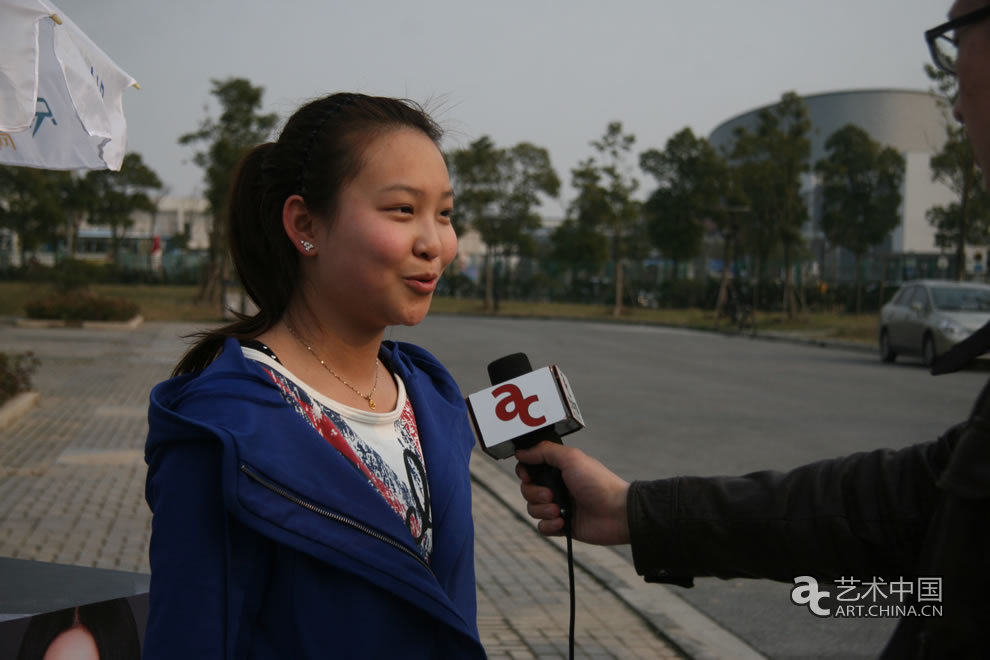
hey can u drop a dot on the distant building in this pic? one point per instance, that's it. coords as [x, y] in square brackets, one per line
[179, 221]
[911, 122]
[178, 216]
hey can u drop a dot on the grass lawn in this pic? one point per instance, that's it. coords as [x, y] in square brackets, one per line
[852, 327]
[178, 303]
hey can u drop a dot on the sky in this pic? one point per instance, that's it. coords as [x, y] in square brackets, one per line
[550, 72]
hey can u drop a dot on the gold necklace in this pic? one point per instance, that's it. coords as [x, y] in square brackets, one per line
[367, 397]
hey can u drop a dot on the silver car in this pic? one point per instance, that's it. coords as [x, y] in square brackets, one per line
[927, 317]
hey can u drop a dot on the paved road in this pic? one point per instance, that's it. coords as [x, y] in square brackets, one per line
[662, 402]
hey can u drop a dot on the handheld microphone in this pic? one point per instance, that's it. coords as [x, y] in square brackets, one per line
[524, 407]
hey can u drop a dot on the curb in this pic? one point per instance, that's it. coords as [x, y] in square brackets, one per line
[688, 630]
[14, 408]
[858, 346]
[767, 335]
[57, 323]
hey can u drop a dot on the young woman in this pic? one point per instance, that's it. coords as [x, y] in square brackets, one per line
[309, 481]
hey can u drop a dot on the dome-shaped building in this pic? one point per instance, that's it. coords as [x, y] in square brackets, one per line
[910, 121]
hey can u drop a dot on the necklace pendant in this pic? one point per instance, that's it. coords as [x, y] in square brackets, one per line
[371, 403]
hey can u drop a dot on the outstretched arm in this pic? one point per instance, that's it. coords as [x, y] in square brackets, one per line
[864, 513]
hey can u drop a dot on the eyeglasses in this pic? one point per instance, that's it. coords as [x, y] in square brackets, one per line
[944, 48]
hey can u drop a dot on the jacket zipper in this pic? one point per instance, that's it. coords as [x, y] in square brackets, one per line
[278, 490]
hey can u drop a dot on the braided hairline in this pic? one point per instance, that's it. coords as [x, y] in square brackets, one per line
[334, 106]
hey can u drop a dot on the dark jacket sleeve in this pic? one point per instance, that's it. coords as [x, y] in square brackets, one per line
[187, 613]
[864, 514]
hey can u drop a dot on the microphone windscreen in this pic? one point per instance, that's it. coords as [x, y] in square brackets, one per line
[508, 367]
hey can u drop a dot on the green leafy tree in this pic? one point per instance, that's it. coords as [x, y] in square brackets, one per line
[965, 220]
[769, 162]
[75, 198]
[861, 193]
[225, 139]
[692, 179]
[115, 196]
[28, 207]
[580, 246]
[578, 241]
[605, 187]
[498, 191]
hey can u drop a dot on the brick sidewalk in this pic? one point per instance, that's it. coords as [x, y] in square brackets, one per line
[72, 492]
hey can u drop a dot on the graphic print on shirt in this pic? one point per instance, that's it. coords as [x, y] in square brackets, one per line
[417, 516]
[410, 500]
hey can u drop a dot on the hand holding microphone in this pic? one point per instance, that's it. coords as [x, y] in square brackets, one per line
[524, 414]
[598, 495]
[523, 408]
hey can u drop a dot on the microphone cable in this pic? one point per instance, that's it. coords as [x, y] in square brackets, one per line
[566, 515]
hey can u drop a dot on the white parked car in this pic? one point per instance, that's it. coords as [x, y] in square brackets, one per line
[928, 317]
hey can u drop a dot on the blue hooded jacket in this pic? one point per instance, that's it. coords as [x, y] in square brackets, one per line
[267, 543]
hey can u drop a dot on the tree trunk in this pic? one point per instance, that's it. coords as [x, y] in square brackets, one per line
[73, 229]
[883, 279]
[212, 288]
[963, 222]
[859, 282]
[490, 278]
[755, 277]
[497, 277]
[617, 311]
[114, 245]
[788, 283]
[209, 286]
[723, 288]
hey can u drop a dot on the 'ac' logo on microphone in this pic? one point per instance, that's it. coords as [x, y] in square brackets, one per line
[520, 405]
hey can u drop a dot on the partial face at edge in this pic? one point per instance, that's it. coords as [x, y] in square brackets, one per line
[972, 106]
[76, 643]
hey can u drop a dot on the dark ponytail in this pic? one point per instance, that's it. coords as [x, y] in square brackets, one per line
[252, 239]
[318, 152]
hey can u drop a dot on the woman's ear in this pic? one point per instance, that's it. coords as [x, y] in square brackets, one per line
[299, 225]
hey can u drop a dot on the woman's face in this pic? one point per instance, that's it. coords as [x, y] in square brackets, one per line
[76, 643]
[380, 257]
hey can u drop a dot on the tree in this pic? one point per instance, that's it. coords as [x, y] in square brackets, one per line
[75, 197]
[768, 164]
[115, 196]
[578, 241]
[967, 219]
[498, 191]
[226, 138]
[28, 207]
[605, 197]
[861, 193]
[692, 181]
